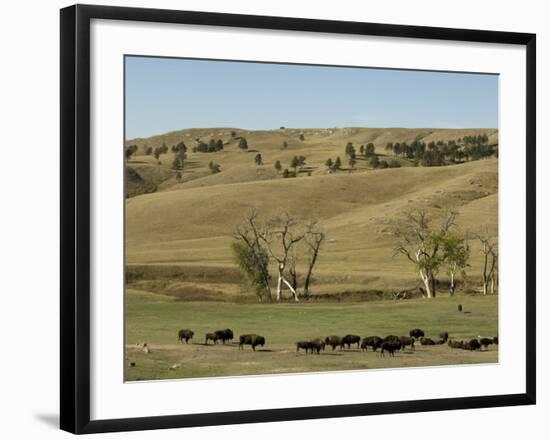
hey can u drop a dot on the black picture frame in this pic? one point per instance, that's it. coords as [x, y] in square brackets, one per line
[75, 217]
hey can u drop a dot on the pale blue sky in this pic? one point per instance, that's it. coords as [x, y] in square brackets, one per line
[165, 94]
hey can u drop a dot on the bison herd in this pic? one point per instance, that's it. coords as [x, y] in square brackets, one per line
[389, 344]
[223, 335]
[475, 344]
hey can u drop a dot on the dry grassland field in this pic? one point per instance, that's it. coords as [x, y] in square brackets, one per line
[183, 223]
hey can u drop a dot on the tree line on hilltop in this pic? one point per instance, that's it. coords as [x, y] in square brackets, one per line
[418, 153]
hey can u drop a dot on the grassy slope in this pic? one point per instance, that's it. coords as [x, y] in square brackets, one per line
[193, 225]
[319, 145]
[156, 319]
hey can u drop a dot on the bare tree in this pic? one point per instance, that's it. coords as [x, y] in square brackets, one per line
[490, 259]
[250, 233]
[313, 238]
[420, 243]
[280, 236]
[282, 239]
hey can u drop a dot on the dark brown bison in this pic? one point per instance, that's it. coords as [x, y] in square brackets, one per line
[333, 340]
[444, 336]
[485, 342]
[426, 341]
[224, 335]
[185, 334]
[373, 341]
[472, 345]
[349, 339]
[390, 346]
[495, 339]
[210, 336]
[407, 341]
[392, 338]
[251, 339]
[416, 333]
[305, 345]
[317, 345]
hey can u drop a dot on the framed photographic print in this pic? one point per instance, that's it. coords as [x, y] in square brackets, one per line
[272, 218]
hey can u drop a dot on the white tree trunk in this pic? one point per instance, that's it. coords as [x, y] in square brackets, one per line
[427, 283]
[280, 280]
[452, 283]
[279, 284]
[493, 284]
[291, 289]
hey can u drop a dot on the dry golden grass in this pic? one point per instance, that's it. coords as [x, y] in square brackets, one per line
[191, 223]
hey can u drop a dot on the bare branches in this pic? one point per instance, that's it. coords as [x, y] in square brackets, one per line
[490, 259]
[419, 241]
[280, 235]
[281, 238]
[314, 236]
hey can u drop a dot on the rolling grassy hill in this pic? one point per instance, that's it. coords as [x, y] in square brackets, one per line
[185, 228]
[317, 147]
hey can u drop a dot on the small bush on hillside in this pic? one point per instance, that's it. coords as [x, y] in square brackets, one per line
[214, 167]
[369, 150]
[243, 144]
[130, 151]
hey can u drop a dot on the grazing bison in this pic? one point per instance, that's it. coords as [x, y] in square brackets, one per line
[444, 336]
[211, 336]
[392, 338]
[495, 339]
[349, 339]
[185, 334]
[426, 341]
[416, 333]
[390, 346]
[455, 344]
[472, 345]
[224, 335]
[317, 345]
[251, 339]
[459, 308]
[484, 342]
[305, 345]
[372, 341]
[333, 340]
[407, 341]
